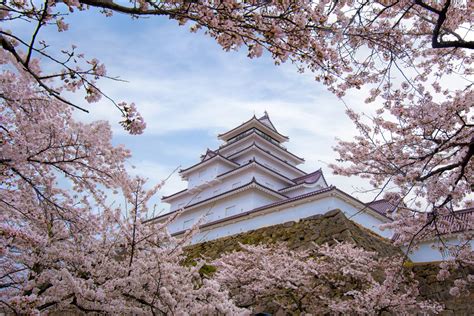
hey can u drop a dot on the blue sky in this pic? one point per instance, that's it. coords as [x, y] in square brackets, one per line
[189, 90]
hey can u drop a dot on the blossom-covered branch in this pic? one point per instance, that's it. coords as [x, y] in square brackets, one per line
[340, 278]
[63, 245]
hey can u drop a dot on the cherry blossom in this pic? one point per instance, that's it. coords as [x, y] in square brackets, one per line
[404, 52]
[64, 244]
[340, 278]
[346, 44]
[133, 121]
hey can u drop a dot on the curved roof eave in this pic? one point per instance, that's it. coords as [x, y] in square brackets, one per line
[200, 164]
[266, 129]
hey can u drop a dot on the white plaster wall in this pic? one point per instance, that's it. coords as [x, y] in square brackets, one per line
[179, 202]
[274, 164]
[228, 183]
[294, 213]
[302, 190]
[207, 173]
[269, 180]
[429, 250]
[217, 188]
[238, 146]
[243, 202]
[275, 152]
[306, 189]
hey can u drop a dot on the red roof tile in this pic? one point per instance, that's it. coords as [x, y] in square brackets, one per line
[168, 196]
[454, 222]
[382, 206]
[266, 117]
[310, 177]
[209, 153]
[253, 161]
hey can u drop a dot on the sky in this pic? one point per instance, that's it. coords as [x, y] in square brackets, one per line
[189, 90]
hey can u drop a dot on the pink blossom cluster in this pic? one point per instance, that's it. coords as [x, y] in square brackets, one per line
[63, 245]
[420, 139]
[132, 120]
[340, 278]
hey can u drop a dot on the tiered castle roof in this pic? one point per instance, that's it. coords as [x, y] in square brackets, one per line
[250, 171]
[257, 138]
[252, 181]
[263, 124]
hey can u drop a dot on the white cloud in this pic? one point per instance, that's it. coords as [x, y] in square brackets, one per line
[184, 82]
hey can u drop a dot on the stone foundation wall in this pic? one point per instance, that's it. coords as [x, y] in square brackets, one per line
[431, 288]
[328, 228]
[334, 226]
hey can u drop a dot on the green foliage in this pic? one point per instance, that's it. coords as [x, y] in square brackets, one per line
[207, 270]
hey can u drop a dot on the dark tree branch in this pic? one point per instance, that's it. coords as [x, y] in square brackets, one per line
[9, 47]
[436, 41]
[35, 33]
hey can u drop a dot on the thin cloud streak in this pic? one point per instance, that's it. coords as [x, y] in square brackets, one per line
[185, 85]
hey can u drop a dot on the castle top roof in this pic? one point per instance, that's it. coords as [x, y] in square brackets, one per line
[265, 119]
[264, 124]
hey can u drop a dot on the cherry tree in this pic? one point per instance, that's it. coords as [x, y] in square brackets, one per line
[406, 52]
[41, 145]
[63, 244]
[340, 278]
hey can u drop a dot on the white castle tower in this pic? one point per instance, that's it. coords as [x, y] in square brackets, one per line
[252, 181]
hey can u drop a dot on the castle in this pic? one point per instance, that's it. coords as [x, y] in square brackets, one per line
[253, 181]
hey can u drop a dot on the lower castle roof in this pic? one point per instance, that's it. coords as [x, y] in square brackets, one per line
[251, 184]
[282, 203]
